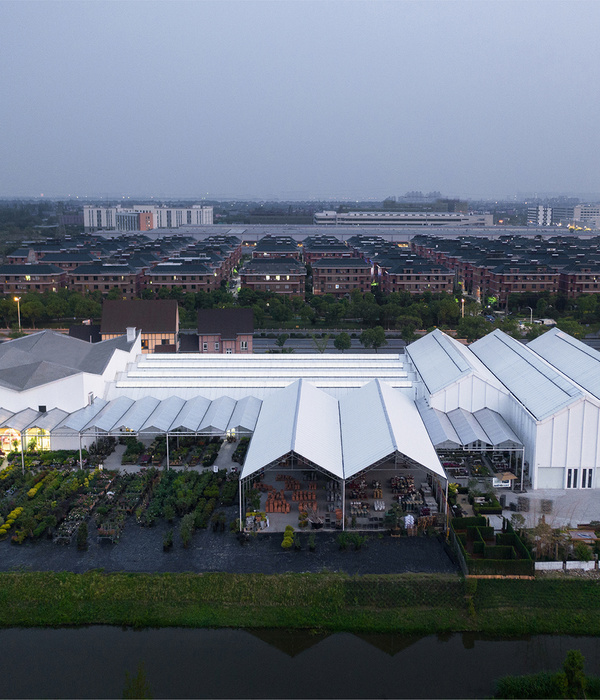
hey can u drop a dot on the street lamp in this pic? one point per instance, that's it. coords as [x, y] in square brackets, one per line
[18, 300]
[530, 315]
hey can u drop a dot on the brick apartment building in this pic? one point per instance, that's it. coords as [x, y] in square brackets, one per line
[102, 278]
[339, 276]
[20, 279]
[192, 276]
[279, 275]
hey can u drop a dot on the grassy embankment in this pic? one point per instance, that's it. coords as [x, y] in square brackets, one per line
[419, 604]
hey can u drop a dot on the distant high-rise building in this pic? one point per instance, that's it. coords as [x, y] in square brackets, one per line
[539, 216]
[142, 217]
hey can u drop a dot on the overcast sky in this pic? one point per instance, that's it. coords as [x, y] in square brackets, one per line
[299, 99]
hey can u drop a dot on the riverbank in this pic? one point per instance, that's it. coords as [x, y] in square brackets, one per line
[409, 603]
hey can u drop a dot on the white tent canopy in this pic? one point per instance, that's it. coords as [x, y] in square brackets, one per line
[342, 437]
[300, 419]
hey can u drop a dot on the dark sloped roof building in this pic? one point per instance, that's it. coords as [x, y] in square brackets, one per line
[225, 331]
[158, 320]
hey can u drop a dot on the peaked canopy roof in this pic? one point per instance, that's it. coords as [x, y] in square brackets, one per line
[536, 384]
[441, 361]
[572, 357]
[342, 437]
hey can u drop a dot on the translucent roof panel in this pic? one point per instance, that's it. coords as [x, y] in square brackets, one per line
[438, 425]
[496, 427]
[191, 414]
[539, 387]
[80, 418]
[164, 414]
[109, 414]
[245, 414]
[20, 420]
[572, 357]
[216, 419]
[49, 420]
[377, 421]
[137, 415]
[438, 361]
[5, 414]
[467, 427]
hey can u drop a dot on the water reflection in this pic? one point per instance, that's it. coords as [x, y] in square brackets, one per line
[182, 663]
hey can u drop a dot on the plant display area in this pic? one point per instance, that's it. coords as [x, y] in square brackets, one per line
[54, 501]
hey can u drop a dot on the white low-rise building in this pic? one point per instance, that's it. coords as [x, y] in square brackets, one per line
[538, 402]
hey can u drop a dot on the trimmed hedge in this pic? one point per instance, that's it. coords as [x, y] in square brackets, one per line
[508, 557]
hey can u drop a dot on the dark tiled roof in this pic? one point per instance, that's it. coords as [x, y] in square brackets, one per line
[31, 270]
[184, 268]
[150, 316]
[341, 262]
[276, 244]
[226, 322]
[261, 266]
[99, 269]
[75, 256]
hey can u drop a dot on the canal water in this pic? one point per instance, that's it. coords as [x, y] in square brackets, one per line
[92, 662]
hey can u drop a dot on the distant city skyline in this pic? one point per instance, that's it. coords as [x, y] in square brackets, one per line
[299, 100]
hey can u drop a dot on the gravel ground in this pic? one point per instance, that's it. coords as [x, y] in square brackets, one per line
[140, 550]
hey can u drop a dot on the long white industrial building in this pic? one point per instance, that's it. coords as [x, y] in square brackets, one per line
[342, 413]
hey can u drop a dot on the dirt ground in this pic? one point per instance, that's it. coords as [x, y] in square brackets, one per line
[140, 550]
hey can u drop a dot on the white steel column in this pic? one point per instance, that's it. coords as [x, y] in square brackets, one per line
[343, 504]
[22, 454]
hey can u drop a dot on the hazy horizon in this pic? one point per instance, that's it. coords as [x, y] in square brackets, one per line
[299, 100]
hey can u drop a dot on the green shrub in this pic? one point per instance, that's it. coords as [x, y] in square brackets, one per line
[288, 542]
[186, 529]
[82, 535]
[582, 552]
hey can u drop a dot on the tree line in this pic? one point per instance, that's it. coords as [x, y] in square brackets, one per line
[399, 312]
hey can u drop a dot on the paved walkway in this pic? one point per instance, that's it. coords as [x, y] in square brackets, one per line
[568, 507]
[223, 461]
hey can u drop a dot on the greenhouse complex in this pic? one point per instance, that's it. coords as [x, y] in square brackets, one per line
[323, 428]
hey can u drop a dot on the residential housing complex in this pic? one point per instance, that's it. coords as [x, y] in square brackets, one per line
[510, 264]
[134, 263]
[129, 263]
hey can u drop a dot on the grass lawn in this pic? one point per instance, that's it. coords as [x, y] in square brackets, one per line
[413, 603]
